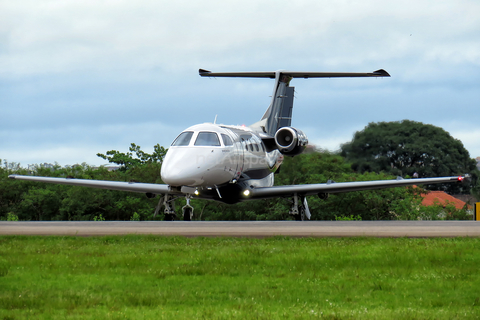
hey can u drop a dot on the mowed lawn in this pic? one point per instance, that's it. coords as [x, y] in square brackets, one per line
[155, 277]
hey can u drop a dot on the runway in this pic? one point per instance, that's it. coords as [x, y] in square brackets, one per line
[256, 229]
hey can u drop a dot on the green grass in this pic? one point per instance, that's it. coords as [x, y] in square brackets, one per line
[146, 277]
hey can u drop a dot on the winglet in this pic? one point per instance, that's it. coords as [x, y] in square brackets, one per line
[381, 73]
[203, 72]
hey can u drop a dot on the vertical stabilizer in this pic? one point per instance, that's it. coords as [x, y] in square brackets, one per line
[279, 113]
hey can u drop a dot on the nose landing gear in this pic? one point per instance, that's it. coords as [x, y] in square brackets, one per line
[170, 214]
[187, 209]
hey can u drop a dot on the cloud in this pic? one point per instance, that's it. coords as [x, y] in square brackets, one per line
[467, 133]
[51, 37]
[70, 71]
[78, 144]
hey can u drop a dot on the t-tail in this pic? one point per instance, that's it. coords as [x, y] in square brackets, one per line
[275, 125]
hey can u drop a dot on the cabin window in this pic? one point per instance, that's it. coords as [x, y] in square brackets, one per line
[183, 139]
[226, 140]
[207, 139]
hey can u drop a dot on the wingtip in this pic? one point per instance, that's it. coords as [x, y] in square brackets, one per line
[381, 73]
[203, 72]
[12, 176]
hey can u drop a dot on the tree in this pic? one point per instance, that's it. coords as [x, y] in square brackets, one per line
[319, 167]
[39, 204]
[25, 200]
[406, 147]
[128, 161]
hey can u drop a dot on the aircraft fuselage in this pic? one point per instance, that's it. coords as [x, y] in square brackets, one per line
[220, 160]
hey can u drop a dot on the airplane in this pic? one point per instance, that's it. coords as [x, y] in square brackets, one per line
[230, 163]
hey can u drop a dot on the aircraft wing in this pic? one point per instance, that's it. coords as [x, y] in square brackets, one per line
[110, 185]
[333, 187]
[255, 193]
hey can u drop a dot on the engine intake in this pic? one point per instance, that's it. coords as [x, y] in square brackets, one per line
[290, 141]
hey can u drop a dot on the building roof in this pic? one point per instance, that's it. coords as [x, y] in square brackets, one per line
[440, 197]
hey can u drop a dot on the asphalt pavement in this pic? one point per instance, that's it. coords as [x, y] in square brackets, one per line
[246, 228]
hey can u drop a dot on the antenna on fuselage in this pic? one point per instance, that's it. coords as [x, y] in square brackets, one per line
[215, 121]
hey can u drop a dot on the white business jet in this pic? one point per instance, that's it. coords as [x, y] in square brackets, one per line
[237, 163]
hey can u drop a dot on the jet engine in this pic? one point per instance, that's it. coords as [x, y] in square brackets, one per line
[290, 141]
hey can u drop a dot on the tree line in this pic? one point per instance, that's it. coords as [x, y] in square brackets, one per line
[25, 200]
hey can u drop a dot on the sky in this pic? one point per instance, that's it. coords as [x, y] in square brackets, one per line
[79, 78]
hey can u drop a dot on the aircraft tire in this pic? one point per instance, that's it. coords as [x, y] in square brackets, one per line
[301, 215]
[187, 214]
[169, 217]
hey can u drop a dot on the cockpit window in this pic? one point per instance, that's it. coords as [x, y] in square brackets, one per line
[183, 139]
[207, 139]
[226, 140]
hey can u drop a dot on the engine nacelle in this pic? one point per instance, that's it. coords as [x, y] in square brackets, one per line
[290, 141]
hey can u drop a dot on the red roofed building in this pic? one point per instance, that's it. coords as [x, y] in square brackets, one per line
[441, 198]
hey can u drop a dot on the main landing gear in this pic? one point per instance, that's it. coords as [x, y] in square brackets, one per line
[299, 209]
[170, 214]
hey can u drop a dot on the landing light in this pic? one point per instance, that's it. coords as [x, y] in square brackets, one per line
[246, 193]
[196, 192]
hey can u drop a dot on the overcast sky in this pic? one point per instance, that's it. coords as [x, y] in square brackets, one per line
[82, 77]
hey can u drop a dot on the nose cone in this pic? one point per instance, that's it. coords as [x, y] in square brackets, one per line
[194, 167]
[176, 169]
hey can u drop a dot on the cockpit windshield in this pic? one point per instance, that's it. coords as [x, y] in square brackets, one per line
[183, 139]
[207, 139]
[226, 140]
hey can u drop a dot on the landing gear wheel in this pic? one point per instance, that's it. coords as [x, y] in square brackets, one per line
[301, 214]
[187, 209]
[187, 214]
[169, 217]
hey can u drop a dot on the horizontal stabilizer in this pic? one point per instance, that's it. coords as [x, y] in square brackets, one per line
[249, 74]
[294, 74]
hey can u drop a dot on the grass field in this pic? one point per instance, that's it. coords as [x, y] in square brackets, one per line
[147, 277]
